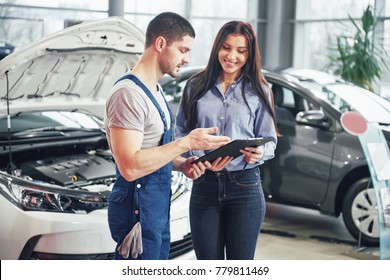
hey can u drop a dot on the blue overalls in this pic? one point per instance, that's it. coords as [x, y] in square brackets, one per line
[145, 200]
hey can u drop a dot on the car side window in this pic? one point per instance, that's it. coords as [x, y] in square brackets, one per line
[289, 103]
[309, 105]
[284, 102]
[179, 90]
[174, 90]
[288, 98]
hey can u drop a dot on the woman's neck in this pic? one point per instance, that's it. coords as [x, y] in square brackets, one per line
[226, 78]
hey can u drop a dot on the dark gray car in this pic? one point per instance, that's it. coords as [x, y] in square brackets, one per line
[318, 165]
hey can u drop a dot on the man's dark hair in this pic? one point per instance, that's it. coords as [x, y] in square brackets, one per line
[169, 25]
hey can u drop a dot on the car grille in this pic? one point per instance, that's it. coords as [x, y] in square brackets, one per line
[48, 256]
[178, 248]
[181, 247]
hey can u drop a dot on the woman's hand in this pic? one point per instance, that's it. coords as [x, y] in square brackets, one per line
[253, 155]
[195, 170]
[192, 170]
[218, 164]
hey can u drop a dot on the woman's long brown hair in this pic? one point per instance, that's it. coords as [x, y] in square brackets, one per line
[206, 78]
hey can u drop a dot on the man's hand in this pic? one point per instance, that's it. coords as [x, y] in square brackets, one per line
[203, 139]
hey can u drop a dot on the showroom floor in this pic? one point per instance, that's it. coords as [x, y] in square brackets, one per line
[273, 247]
[293, 233]
[300, 234]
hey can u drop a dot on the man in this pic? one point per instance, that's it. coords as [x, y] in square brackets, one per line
[139, 130]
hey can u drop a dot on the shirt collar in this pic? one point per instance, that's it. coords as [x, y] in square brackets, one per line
[218, 81]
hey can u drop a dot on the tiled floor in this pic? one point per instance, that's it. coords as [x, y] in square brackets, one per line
[295, 233]
[273, 247]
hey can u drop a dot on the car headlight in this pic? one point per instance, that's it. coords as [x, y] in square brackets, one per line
[30, 195]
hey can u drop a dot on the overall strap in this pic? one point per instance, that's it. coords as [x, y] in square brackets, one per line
[151, 97]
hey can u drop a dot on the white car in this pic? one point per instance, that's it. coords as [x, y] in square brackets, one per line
[56, 171]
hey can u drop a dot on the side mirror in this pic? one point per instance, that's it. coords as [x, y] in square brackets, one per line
[315, 118]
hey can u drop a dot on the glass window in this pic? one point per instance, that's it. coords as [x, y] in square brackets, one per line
[206, 29]
[219, 9]
[84, 4]
[153, 7]
[330, 9]
[320, 22]
[387, 9]
[25, 25]
[318, 46]
[288, 98]
[141, 21]
[386, 43]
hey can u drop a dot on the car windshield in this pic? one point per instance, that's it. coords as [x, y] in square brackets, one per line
[347, 97]
[362, 101]
[49, 121]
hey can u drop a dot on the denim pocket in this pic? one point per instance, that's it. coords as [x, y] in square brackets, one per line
[119, 213]
[200, 179]
[118, 194]
[247, 179]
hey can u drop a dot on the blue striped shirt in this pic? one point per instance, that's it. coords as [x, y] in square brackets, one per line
[229, 112]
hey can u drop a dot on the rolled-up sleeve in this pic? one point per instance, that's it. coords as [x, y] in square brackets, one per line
[265, 127]
[180, 126]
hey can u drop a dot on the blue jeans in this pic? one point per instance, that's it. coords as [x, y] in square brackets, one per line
[226, 213]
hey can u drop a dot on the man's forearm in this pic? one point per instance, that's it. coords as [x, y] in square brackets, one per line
[149, 160]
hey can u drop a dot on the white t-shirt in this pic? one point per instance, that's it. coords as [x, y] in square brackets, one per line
[129, 107]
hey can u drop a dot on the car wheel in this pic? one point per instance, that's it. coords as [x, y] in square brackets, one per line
[360, 213]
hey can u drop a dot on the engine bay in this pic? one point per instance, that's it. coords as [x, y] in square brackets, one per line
[72, 170]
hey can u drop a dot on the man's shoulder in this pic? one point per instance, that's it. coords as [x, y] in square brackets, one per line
[126, 87]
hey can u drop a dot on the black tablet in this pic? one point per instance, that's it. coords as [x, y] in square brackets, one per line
[233, 148]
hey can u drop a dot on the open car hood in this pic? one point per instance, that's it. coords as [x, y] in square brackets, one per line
[73, 68]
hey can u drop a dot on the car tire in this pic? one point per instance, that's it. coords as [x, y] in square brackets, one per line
[360, 212]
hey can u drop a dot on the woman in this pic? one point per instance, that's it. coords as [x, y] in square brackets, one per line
[227, 204]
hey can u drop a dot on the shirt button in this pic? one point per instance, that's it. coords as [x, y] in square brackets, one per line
[136, 212]
[138, 186]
